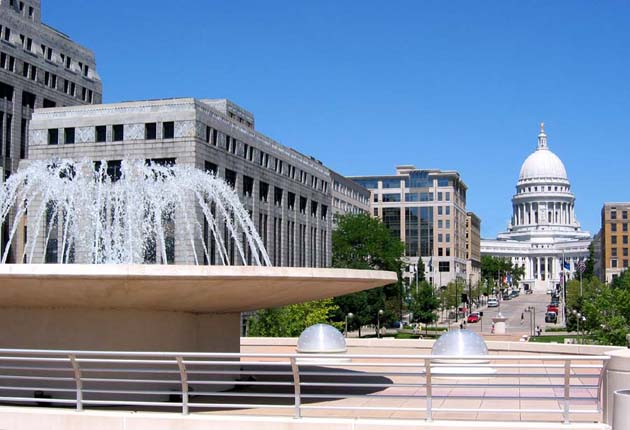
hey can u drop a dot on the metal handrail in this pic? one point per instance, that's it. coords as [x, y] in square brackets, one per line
[169, 379]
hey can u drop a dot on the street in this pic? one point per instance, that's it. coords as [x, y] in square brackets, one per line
[513, 309]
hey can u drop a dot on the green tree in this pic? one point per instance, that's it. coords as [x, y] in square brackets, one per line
[363, 242]
[495, 267]
[291, 320]
[589, 271]
[423, 303]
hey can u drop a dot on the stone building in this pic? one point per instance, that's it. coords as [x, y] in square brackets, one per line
[426, 209]
[473, 247]
[39, 67]
[614, 240]
[348, 197]
[288, 194]
[543, 232]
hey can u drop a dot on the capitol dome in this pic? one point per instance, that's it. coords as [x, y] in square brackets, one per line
[543, 163]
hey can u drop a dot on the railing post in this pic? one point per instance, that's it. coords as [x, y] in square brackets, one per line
[296, 386]
[429, 388]
[77, 381]
[567, 390]
[184, 378]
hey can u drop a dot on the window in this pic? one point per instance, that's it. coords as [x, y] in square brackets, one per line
[624, 214]
[439, 196]
[248, 186]
[391, 197]
[448, 252]
[150, 131]
[613, 227]
[440, 237]
[625, 226]
[211, 167]
[448, 238]
[613, 263]
[53, 136]
[613, 240]
[68, 135]
[291, 201]
[440, 252]
[443, 182]
[613, 214]
[625, 240]
[230, 177]
[263, 191]
[440, 223]
[168, 130]
[391, 183]
[613, 252]
[118, 132]
[277, 196]
[313, 208]
[444, 266]
[448, 196]
[439, 210]
[101, 133]
[447, 210]
[303, 203]
[625, 252]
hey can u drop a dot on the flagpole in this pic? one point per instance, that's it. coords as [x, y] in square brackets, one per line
[564, 293]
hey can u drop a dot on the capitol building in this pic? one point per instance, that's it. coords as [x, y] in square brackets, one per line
[543, 229]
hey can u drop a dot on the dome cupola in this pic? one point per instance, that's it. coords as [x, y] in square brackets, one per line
[543, 164]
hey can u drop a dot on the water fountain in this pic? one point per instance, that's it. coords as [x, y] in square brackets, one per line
[109, 221]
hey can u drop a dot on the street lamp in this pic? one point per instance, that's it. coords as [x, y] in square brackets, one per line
[349, 316]
[378, 323]
[578, 317]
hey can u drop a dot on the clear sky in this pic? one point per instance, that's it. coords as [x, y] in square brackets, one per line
[367, 85]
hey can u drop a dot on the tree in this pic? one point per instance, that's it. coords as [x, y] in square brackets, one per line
[493, 267]
[424, 303]
[291, 320]
[363, 242]
[589, 270]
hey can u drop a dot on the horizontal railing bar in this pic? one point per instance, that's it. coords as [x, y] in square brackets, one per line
[35, 399]
[126, 370]
[138, 381]
[37, 369]
[22, 388]
[239, 394]
[130, 403]
[551, 357]
[253, 383]
[50, 378]
[238, 405]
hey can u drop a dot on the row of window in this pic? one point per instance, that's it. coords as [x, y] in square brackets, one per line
[614, 263]
[21, 8]
[347, 191]
[614, 252]
[372, 183]
[50, 80]
[262, 158]
[613, 226]
[613, 214]
[46, 51]
[264, 193]
[542, 188]
[624, 239]
[414, 197]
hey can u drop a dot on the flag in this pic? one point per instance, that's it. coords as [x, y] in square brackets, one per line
[509, 278]
[431, 264]
[581, 265]
[567, 265]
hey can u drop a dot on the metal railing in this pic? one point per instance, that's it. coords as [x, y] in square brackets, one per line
[419, 386]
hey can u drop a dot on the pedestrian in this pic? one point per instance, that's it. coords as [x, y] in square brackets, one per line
[538, 331]
[461, 325]
[492, 329]
[522, 318]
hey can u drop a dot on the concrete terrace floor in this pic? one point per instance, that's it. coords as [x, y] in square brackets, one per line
[457, 395]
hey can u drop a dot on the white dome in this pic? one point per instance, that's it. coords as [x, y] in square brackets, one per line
[321, 338]
[460, 343]
[543, 164]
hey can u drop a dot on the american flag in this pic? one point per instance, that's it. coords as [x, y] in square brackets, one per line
[580, 266]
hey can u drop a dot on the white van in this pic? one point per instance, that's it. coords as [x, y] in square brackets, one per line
[493, 303]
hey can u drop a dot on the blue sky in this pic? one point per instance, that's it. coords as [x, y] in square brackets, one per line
[367, 85]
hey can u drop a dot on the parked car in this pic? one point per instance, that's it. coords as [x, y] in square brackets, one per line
[549, 291]
[473, 317]
[552, 308]
[506, 296]
[555, 302]
[493, 303]
[551, 317]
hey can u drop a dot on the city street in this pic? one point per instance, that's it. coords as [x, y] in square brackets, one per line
[513, 309]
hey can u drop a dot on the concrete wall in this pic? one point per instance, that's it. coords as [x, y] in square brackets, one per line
[122, 330]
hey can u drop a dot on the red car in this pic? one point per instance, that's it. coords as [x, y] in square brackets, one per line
[473, 317]
[552, 308]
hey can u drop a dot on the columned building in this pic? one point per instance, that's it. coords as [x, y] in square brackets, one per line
[473, 248]
[543, 230]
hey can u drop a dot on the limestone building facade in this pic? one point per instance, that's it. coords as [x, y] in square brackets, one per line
[614, 240]
[426, 209]
[348, 197]
[288, 194]
[473, 247]
[544, 234]
[39, 67]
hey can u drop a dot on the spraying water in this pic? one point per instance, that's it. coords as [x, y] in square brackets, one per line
[126, 213]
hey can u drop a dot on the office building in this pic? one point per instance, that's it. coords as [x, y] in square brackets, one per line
[39, 67]
[426, 209]
[288, 194]
[614, 240]
[473, 248]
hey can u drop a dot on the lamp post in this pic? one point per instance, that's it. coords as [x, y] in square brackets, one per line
[532, 319]
[578, 317]
[456, 299]
[379, 314]
[349, 315]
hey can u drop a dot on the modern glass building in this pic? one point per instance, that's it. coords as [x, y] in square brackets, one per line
[426, 209]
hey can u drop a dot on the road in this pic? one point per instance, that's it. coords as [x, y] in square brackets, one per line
[513, 309]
